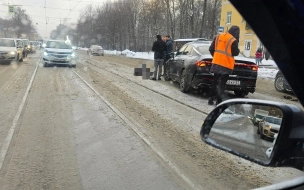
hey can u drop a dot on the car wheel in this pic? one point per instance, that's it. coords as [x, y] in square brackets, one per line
[167, 73]
[241, 94]
[45, 65]
[279, 83]
[258, 130]
[74, 66]
[183, 83]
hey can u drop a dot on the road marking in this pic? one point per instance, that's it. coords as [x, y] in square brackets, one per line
[134, 126]
[11, 131]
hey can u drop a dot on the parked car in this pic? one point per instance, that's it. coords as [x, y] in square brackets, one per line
[281, 84]
[269, 126]
[191, 68]
[95, 50]
[58, 52]
[11, 49]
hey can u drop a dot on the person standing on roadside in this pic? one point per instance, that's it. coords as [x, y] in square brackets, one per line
[258, 56]
[159, 48]
[223, 49]
[169, 49]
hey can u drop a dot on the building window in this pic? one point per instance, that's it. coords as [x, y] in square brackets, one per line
[247, 45]
[228, 20]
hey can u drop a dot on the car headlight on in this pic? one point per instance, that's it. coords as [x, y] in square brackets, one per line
[73, 54]
[12, 53]
[45, 54]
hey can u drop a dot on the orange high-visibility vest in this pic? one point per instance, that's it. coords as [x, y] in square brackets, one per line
[222, 54]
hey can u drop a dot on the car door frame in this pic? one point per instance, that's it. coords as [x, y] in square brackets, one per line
[185, 58]
[173, 65]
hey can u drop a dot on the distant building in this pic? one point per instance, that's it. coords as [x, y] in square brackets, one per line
[249, 42]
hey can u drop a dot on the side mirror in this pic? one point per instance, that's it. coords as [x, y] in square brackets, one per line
[276, 142]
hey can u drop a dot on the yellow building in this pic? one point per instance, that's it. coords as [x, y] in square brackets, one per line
[249, 42]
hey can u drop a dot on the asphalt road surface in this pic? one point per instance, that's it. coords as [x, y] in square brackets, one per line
[99, 127]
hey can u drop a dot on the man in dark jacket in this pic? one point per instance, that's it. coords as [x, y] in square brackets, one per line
[223, 48]
[159, 48]
[169, 44]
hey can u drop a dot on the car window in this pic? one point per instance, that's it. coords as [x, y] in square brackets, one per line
[181, 50]
[203, 49]
[7, 43]
[19, 43]
[188, 50]
[58, 45]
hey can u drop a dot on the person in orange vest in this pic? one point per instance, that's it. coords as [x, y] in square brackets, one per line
[223, 49]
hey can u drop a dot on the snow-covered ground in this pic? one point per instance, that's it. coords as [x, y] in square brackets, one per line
[263, 72]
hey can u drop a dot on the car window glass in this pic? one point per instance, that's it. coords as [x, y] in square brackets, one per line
[58, 45]
[188, 50]
[7, 43]
[180, 51]
[204, 49]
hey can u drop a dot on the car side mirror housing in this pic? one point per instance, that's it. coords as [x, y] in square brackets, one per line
[277, 140]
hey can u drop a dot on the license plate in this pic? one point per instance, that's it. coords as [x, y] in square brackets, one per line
[233, 82]
[59, 59]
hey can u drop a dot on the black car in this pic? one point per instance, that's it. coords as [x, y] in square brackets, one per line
[281, 84]
[191, 68]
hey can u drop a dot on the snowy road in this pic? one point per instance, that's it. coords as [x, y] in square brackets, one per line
[123, 133]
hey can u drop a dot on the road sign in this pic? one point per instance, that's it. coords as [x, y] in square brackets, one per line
[220, 29]
[11, 9]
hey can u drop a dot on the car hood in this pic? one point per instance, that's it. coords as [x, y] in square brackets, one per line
[7, 49]
[58, 50]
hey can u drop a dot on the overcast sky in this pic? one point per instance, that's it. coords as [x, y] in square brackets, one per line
[55, 11]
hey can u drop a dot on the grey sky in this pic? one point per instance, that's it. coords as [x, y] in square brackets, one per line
[55, 12]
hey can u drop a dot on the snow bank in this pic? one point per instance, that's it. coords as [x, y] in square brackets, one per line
[267, 73]
[131, 54]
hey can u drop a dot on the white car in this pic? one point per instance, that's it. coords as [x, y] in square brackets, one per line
[11, 50]
[58, 52]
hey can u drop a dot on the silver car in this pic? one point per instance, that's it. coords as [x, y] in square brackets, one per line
[95, 50]
[11, 50]
[58, 52]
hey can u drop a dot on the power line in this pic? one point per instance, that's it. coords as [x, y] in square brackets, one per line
[74, 8]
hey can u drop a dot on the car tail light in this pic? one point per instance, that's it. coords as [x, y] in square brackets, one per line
[203, 63]
[252, 66]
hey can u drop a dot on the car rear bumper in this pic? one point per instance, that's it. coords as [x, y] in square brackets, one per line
[204, 80]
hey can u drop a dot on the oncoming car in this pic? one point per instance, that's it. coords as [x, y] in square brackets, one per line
[11, 50]
[59, 52]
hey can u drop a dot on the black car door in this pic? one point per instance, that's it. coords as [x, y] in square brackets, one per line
[184, 59]
[175, 62]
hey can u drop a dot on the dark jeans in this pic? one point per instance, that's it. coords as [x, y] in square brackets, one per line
[218, 87]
